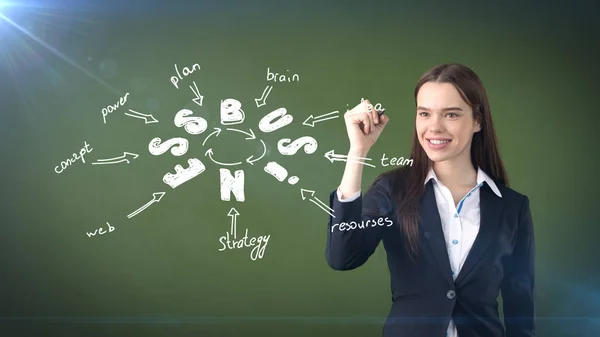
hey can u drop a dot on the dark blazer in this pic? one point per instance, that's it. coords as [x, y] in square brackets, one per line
[424, 295]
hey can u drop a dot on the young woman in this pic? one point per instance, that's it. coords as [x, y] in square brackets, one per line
[456, 236]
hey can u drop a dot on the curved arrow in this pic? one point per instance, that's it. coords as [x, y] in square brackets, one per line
[217, 131]
[250, 135]
[209, 153]
[249, 159]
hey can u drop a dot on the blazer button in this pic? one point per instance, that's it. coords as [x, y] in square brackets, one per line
[451, 294]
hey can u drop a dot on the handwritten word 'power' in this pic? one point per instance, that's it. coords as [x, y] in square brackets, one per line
[259, 243]
[344, 226]
[395, 161]
[68, 162]
[186, 72]
[277, 77]
[111, 108]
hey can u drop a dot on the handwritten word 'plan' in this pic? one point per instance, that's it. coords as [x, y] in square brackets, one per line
[186, 72]
[70, 161]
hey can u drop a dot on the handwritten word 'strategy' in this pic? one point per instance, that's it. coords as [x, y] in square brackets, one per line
[111, 108]
[186, 72]
[277, 77]
[258, 244]
[70, 161]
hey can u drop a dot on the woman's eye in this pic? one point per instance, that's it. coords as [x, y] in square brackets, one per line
[452, 115]
[422, 113]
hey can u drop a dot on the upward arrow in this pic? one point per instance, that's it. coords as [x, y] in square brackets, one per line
[233, 213]
[310, 195]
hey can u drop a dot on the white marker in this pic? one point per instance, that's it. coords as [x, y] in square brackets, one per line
[155, 198]
[148, 118]
[263, 99]
[316, 201]
[199, 98]
[311, 121]
[124, 158]
[340, 157]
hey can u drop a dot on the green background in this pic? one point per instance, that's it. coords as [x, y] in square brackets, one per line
[160, 273]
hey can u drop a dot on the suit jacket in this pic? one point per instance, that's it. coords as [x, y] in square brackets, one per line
[424, 295]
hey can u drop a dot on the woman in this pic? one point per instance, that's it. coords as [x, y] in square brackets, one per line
[460, 235]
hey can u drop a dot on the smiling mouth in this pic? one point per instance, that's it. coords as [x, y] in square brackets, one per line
[438, 141]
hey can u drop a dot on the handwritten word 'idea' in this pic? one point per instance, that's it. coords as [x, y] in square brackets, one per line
[186, 72]
[259, 244]
[345, 226]
[70, 161]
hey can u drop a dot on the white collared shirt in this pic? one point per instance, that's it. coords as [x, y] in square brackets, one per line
[460, 224]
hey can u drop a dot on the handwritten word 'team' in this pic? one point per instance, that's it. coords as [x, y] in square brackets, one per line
[68, 162]
[395, 161]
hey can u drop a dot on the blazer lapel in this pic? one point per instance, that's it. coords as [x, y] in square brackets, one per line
[491, 207]
[431, 226]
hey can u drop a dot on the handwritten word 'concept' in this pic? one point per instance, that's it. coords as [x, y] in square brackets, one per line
[101, 231]
[258, 244]
[344, 226]
[395, 161]
[277, 77]
[68, 162]
[111, 108]
[186, 72]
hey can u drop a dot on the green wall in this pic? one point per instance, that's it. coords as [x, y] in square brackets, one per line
[160, 272]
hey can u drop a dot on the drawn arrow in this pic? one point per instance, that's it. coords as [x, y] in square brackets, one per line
[209, 153]
[217, 132]
[250, 135]
[199, 98]
[148, 118]
[310, 121]
[340, 157]
[233, 213]
[116, 160]
[155, 198]
[249, 159]
[316, 201]
[263, 99]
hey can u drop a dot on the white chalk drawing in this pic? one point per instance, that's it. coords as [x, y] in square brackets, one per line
[309, 143]
[364, 224]
[216, 132]
[233, 213]
[229, 241]
[199, 98]
[101, 231]
[232, 184]
[279, 172]
[148, 118]
[195, 167]
[278, 78]
[186, 72]
[209, 154]
[341, 157]
[378, 107]
[126, 157]
[250, 159]
[193, 125]
[395, 161]
[263, 98]
[76, 156]
[178, 146]
[113, 107]
[231, 112]
[155, 198]
[266, 123]
[311, 195]
[250, 134]
[311, 120]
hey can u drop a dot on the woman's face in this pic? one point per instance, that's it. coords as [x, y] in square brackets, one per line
[444, 123]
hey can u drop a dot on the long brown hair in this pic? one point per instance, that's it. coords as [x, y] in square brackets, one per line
[408, 186]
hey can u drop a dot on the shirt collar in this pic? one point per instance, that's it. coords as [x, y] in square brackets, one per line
[481, 178]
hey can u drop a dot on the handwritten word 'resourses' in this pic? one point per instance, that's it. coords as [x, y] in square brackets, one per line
[258, 244]
[348, 226]
[70, 161]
